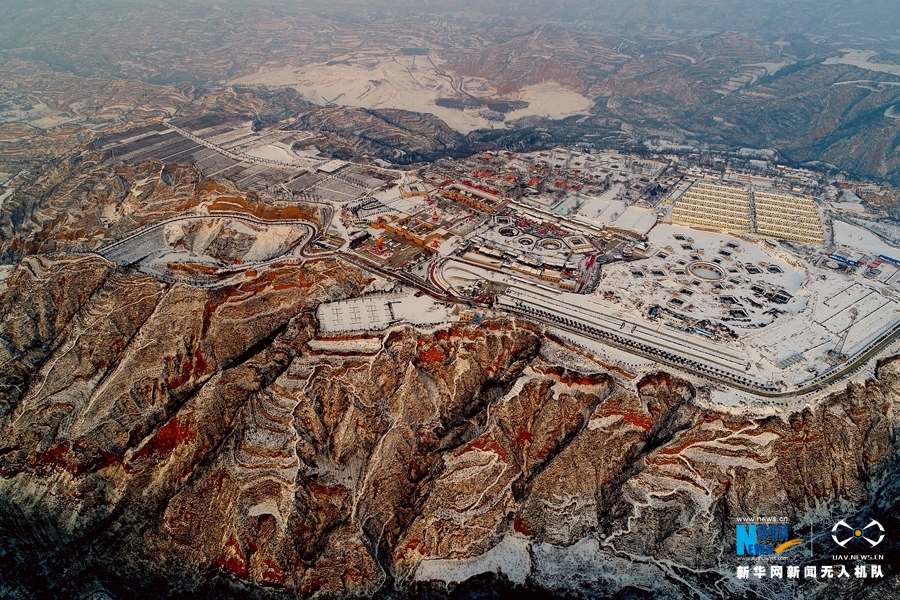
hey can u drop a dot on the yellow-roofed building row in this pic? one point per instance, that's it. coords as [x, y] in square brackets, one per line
[781, 216]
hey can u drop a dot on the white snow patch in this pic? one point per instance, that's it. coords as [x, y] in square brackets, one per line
[267, 508]
[364, 346]
[398, 82]
[609, 355]
[858, 238]
[639, 220]
[603, 422]
[604, 208]
[396, 202]
[420, 311]
[52, 121]
[5, 270]
[510, 556]
[550, 100]
[854, 207]
[585, 563]
[379, 311]
[860, 59]
[379, 284]
[724, 460]
[272, 152]
[772, 67]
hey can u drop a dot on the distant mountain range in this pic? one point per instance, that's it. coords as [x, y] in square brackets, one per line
[801, 95]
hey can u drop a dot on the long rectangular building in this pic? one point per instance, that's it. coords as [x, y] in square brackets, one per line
[792, 218]
[712, 205]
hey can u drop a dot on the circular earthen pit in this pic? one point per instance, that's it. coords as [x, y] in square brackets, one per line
[706, 270]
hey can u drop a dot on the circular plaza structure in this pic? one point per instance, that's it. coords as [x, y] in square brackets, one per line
[551, 244]
[706, 270]
[509, 232]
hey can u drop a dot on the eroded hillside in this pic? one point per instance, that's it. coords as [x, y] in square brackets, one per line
[232, 449]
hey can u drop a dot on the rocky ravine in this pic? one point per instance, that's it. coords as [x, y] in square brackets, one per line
[159, 437]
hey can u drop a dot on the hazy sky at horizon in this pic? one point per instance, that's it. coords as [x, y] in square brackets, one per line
[839, 21]
[760, 16]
